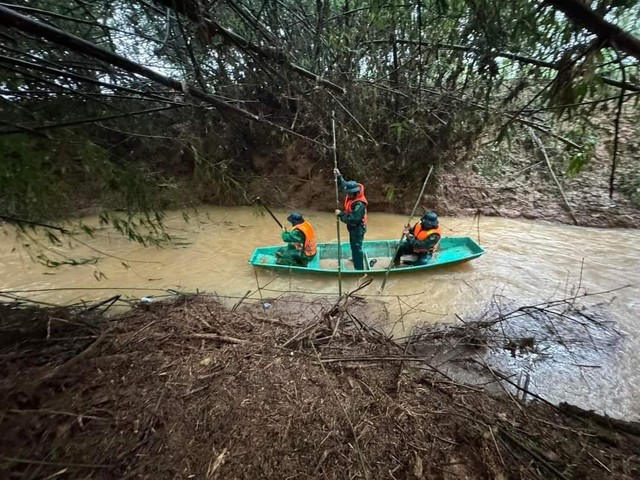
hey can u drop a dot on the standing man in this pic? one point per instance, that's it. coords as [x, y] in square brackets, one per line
[354, 214]
[302, 243]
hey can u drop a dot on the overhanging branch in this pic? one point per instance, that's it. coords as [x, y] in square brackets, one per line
[85, 121]
[11, 18]
[214, 28]
[584, 18]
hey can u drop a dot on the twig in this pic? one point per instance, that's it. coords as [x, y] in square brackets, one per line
[534, 452]
[235, 307]
[19, 222]
[109, 302]
[515, 402]
[56, 412]
[528, 392]
[406, 349]
[85, 121]
[272, 320]
[213, 336]
[353, 117]
[388, 358]
[497, 448]
[302, 332]
[56, 464]
[214, 465]
[599, 462]
[81, 356]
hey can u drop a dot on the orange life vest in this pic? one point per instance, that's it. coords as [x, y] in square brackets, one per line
[422, 234]
[310, 246]
[348, 203]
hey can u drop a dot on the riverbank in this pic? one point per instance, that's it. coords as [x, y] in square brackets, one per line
[519, 184]
[190, 388]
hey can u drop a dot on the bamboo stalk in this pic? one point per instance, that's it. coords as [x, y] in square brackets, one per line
[335, 178]
[415, 207]
[537, 141]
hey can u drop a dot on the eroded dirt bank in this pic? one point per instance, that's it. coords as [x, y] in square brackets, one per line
[189, 388]
[493, 184]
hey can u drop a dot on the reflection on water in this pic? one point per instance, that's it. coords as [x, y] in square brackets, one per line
[525, 262]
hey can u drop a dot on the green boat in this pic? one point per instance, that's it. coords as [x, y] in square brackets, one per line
[377, 253]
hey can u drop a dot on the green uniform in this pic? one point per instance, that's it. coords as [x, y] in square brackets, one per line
[289, 255]
[411, 243]
[356, 229]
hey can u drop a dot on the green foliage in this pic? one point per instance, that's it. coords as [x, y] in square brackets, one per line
[389, 193]
[579, 159]
[48, 262]
[425, 80]
[399, 128]
[31, 180]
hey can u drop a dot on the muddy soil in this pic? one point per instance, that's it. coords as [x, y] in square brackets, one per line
[490, 182]
[524, 187]
[187, 388]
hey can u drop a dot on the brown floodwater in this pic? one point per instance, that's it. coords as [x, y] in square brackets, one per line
[526, 263]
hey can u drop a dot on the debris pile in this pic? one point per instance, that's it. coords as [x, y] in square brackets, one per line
[188, 388]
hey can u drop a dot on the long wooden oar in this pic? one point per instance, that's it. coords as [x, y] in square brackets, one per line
[415, 207]
[259, 200]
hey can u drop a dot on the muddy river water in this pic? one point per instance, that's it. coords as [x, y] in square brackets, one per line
[526, 263]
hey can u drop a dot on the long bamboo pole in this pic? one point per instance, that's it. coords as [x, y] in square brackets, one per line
[335, 178]
[415, 207]
[259, 200]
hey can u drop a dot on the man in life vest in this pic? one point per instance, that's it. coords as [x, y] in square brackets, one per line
[302, 243]
[354, 214]
[422, 240]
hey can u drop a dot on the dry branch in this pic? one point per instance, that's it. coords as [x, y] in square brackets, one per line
[219, 338]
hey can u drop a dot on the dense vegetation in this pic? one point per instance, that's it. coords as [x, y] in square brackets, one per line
[139, 105]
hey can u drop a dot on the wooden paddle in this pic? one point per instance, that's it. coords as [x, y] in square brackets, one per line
[259, 200]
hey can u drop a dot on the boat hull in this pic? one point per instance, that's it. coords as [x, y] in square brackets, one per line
[452, 250]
